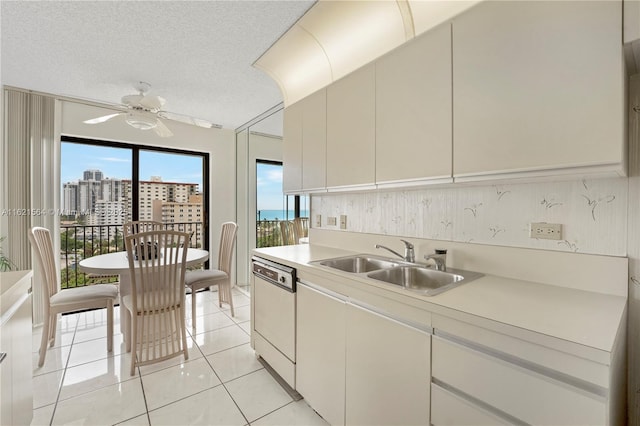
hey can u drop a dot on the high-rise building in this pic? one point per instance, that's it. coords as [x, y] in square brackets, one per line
[92, 174]
[70, 198]
[187, 216]
[107, 201]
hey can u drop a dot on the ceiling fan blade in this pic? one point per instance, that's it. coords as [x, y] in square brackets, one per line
[162, 130]
[103, 118]
[188, 120]
[154, 103]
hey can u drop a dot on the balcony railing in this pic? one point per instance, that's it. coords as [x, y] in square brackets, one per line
[79, 242]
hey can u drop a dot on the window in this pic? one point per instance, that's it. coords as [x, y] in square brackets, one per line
[272, 206]
[105, 184]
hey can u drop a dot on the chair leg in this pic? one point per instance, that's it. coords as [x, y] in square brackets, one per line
[128, 329]
[133, 331]
[224, 295]
[44, 341]
[193, 308]
[53, 326]
[110, 325]
[183, 331]
[229, 297]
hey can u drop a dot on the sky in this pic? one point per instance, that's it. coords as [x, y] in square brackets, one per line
[115, 163]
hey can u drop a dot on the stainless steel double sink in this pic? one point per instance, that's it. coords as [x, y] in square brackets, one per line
[411, 276]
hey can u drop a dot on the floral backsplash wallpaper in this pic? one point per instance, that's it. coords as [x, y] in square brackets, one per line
[593, 214]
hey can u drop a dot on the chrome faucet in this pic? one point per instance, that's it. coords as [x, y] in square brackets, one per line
[409, 254]
[439, 258]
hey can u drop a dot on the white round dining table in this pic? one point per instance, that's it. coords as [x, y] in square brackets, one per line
[118, 264]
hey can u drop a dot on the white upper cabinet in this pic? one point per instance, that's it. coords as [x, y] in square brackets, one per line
[292, 149]
[351, 129]
[538, 87]
[314, 141]
[413, 110]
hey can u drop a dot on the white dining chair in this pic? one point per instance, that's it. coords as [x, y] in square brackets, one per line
[199, 279]
[137, 226]
[58, 301]
[155, 315]
[287, 233]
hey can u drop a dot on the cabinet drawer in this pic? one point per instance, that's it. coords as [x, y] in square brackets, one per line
[575, 364]
[448, 408]
[527, 395]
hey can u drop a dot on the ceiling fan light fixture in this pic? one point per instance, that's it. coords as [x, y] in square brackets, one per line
[141, 121]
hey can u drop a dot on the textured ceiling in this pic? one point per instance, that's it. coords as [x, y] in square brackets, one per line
[196, 54]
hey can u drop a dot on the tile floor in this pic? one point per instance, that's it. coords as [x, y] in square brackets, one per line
[222, 383]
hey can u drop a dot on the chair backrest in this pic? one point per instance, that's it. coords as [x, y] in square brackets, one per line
[157, 263]
[42, 244]
[227, 245]
[300, 229]
[287, 232]
[137, 226]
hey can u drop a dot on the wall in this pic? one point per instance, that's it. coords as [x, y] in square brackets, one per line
[593, 213]
[219, 143]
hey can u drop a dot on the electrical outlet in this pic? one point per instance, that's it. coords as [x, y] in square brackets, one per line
[547, 231]
[332, 221]
[318, 221]
[343, 221]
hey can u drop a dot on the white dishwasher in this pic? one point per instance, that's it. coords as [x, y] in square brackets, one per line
[274, 321]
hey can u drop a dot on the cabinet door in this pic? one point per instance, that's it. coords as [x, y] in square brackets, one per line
[388, 371]
[314, 141]
[538, 85]
[292, 149]
[413, 109]
[351, 129]
[320, 349]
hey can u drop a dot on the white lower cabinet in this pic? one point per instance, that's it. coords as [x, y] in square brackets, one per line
[320, 349]
[448, 408]
[496, 385]
[363, 359]
[356, 366]
[388, 370]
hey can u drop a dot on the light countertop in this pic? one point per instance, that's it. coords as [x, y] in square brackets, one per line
[583, 317]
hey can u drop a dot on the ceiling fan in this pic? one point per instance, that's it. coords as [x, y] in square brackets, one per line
[144, 112]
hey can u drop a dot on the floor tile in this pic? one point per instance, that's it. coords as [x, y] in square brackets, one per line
[240, 299]
[64, 334]
[46, 387]
[106, 406]
[246, 326]
[142, 420]
[241, 314]
[219, 340]
[94, 375]
[94, 350]
[210, 407]
[206, 303]
[86, 333]
[173, 383]
[297, 413]
[55, 359]
[235, 362]
[210, 322]
[194, 353]
[42, 416]
[257, 394]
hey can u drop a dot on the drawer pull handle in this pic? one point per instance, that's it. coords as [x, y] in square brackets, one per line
[3, 355]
